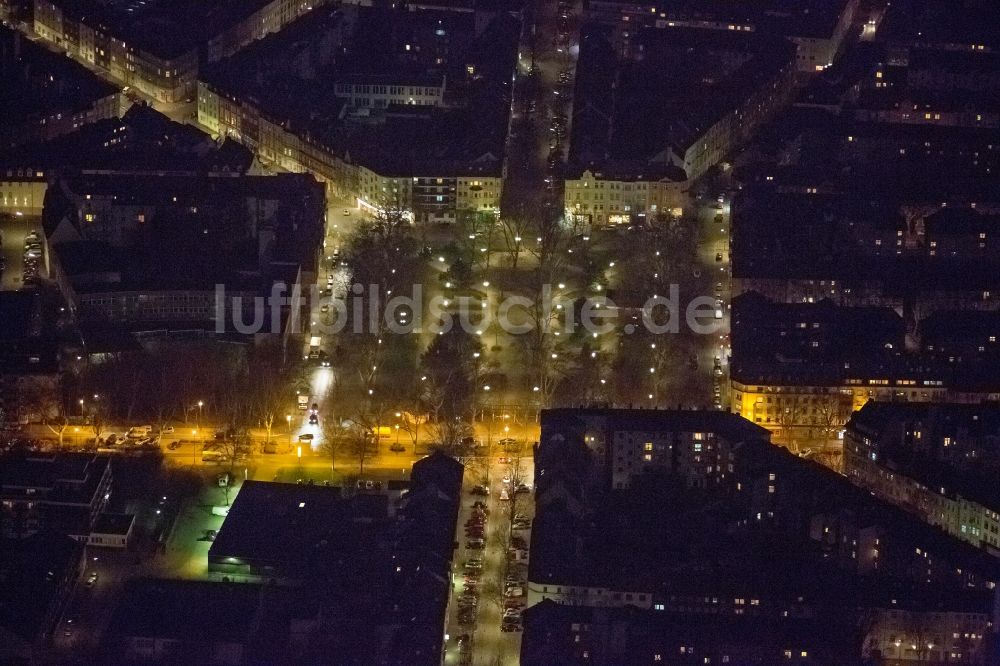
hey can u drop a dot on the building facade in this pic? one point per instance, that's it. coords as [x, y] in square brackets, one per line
[430, 197]
[603, 199]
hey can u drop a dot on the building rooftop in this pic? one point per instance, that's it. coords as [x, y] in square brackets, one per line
[141, 141]
[33, 572]
[465, 135]
[631, 635]
[66, 478]
[822, 344]
[113, 523]
[941, 23]
[302, 526]
[39, 83]
[20, 315]
[615, 419]
[671, 86]
[971, 432]
[734, 540]
[849, 237]
[165, 28]
[188, 611]
[792, 18]
[360, 559]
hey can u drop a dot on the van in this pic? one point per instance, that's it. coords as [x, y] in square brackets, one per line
[139, 432]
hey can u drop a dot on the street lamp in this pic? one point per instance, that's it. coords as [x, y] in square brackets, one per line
[200, 405]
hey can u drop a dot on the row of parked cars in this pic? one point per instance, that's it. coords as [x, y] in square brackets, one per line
[515, 580]
[32, 257]
[475, 533]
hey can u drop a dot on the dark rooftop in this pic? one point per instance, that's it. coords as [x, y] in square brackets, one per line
[141, 141]
[187, 610]
[33, 572]
[674, 84]
[465, 136]
[287, 524]
[39, 83]
[165, 28]
[113, 523]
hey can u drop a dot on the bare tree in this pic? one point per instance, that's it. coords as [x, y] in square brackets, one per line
[363, 430]
[269, 386]
[476, 231]
[452, 435]
[336, 440]
[789, 416]
[515, 228]
[50, 408]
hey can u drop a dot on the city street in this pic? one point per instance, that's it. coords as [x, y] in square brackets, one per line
[13, 231]
[486, 579]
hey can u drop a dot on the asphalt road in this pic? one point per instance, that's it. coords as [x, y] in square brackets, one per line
[13, 230]
[488, 645]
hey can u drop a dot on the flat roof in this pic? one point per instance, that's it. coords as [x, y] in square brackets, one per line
[186, 610]
[301, 526]
[32, 574]
[113, 523]
[142, 140]
[465, 136]
[165, 28]
[39, 83]
[673, 85]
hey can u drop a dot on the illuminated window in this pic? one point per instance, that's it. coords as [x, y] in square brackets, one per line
[648, 446]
